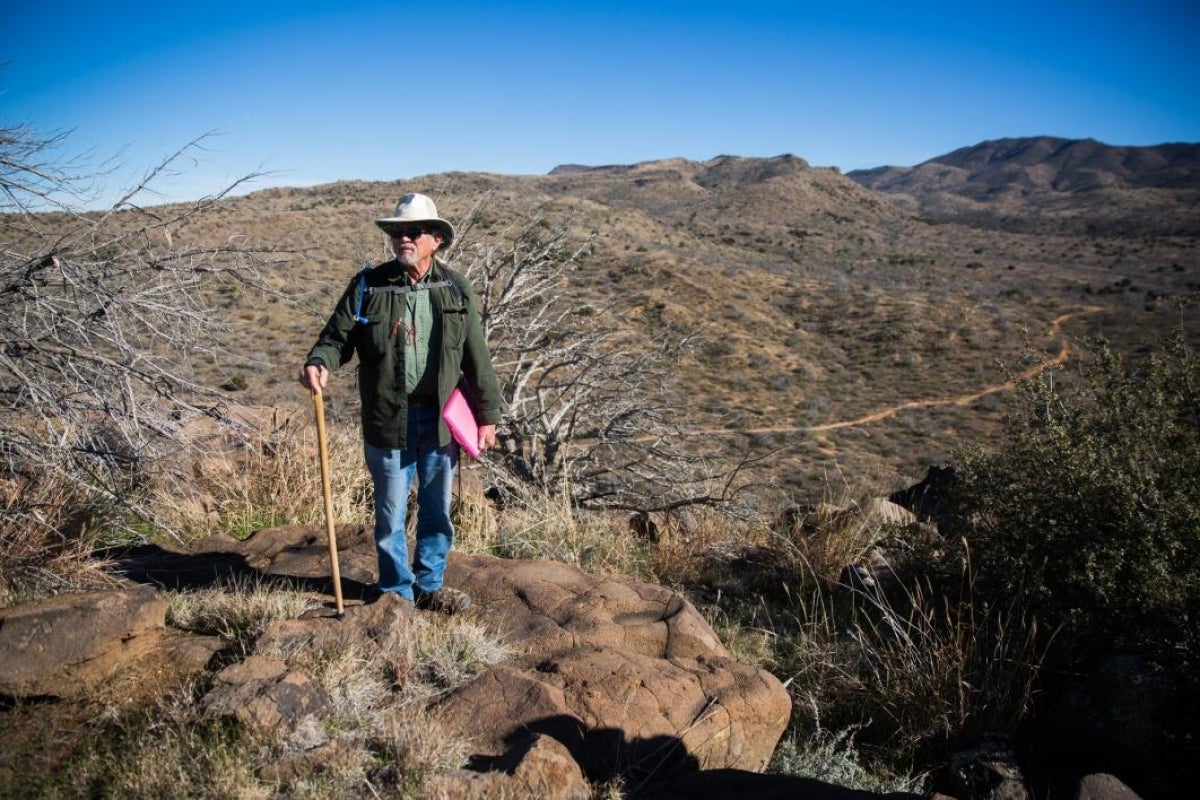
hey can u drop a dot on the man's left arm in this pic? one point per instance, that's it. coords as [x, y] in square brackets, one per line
[477, 366]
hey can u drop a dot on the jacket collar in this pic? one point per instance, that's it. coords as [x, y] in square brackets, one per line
[392, 272]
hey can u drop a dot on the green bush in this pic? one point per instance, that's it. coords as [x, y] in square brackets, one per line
[1090, 513]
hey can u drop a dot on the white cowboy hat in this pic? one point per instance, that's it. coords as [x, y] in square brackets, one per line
[418, 209]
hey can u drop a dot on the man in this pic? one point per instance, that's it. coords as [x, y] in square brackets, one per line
[415, 326]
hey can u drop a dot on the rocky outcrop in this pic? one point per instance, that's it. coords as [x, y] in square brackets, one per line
[300, 551]
[609, 678]
[67, 644]
[619, 677]
[381, 625]
[928, 498]
[548, 606]
[546, 769]
[987, 770]
[1102, 786]
[627, 677]
[263, 693]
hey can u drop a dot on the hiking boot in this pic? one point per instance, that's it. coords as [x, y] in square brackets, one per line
[445, 600]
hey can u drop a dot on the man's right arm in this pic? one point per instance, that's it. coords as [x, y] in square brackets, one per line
[333, 345]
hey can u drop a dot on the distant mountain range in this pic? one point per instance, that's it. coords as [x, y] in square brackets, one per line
[1046, 183]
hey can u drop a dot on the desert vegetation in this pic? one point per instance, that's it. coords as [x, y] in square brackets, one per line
[1070, 535]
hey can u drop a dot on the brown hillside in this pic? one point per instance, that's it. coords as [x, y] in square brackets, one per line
[1045, 184]
[831, 327]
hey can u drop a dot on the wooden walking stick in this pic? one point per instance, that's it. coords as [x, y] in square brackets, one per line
[323, 450]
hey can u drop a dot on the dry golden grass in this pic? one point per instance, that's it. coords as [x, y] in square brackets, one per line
[270, 478]
[938, 670]
[600, 543]
[48, 535]
[237, 612]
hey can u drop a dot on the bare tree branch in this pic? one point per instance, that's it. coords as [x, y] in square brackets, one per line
[586, 407]
[102, 317]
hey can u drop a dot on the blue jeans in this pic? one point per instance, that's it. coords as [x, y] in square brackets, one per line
[392, 472]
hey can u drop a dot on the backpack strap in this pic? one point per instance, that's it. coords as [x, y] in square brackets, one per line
[420, 287]
[459, 294]
[364, 290]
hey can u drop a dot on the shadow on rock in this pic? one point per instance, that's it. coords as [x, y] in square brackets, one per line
[657, 767]
[166, 569]
[643, 765]
[293, 556]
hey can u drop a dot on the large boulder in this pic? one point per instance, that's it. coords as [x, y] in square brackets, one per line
[928, 498]
[625, 677]
[547, 606]
[69, 643]
[628, 677]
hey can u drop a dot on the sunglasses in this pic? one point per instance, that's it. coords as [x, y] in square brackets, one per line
[413, 232]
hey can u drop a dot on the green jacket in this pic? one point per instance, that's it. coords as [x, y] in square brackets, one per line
[458, 339]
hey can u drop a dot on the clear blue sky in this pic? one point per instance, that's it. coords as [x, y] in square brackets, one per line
[315, 92]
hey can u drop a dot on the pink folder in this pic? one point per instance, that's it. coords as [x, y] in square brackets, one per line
[461, 421]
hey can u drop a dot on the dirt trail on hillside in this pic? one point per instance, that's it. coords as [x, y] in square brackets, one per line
[1056, 332]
